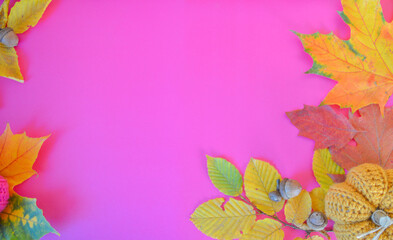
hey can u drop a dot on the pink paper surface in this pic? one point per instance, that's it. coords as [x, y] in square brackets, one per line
[136, 93]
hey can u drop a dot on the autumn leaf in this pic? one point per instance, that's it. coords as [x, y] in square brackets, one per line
[323, 125]
[17, 156]
[234, 219]
[315, 237]
[322, 166]
[318, 199]
[225, 176]
[260, 179]
[22, 219]
[363, 65]
[374, 142]
[298, 209]
[4, 8]
[267, 229]
[24, 14]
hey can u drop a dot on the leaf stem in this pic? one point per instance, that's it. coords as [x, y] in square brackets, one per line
[308, 232]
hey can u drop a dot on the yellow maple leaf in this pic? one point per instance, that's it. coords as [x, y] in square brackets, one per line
[17, 156]
[24, 14]
[363, 65]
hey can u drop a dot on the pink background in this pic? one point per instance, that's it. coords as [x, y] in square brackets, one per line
[135, 93]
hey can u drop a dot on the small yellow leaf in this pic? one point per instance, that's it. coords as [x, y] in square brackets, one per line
[318, 199]
[4, 13]
[26, 14]
[236, 218]
[9, 66]
[267, 229]
[322, 166]
[260, 179]
[298, 209]
[17, 156]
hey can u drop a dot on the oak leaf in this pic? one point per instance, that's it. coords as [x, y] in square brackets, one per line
[374, 140]
[323, 125]
[23, 15]
[363, 65]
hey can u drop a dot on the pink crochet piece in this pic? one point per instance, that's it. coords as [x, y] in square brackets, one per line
[4, 193]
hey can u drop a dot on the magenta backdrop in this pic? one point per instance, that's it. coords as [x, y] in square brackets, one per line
[135, 93]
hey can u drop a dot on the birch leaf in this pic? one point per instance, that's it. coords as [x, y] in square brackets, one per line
[26, 14]
[4, 8]
[225, 176]
[298, 209]
[318, 199]
[323, 165]
[260, 179]
[22, 219]
[236, 217]
[9, 66]
[267, 229]
[363, 65]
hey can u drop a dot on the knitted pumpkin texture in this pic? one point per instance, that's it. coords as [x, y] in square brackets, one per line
[350, 204]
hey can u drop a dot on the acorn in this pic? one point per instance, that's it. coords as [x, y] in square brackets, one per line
[317, 221]
[8, 37]
[289, 188]
[275, 196]
[380, 218]
[286, 189]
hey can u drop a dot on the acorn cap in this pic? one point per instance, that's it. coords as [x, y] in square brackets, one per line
[8, 37]
[380, 217]
[275, 196]
[289, 188]
[317, 221]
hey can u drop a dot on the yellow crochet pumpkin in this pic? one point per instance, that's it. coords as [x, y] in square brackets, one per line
[367, 188]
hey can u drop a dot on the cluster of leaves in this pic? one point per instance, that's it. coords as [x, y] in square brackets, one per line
[241, 216]
[24, 15]
[21, 219]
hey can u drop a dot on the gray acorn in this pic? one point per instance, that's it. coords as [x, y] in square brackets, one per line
[8, 37]
[286, 189]
[289, 188]
[380, 218]
[317, 221]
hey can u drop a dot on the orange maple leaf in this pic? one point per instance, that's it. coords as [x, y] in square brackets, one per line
[17, 155]
[363, 65]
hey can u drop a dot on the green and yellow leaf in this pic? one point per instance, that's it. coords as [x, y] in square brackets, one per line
[4, 8]
[267, 229]
[298, 209]
[9, 66]
[260, 179]
[17, 156]
[26, 14]
[322, 166]
[318, 199]
[22, 219]
[225, 176]
[236, 219]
